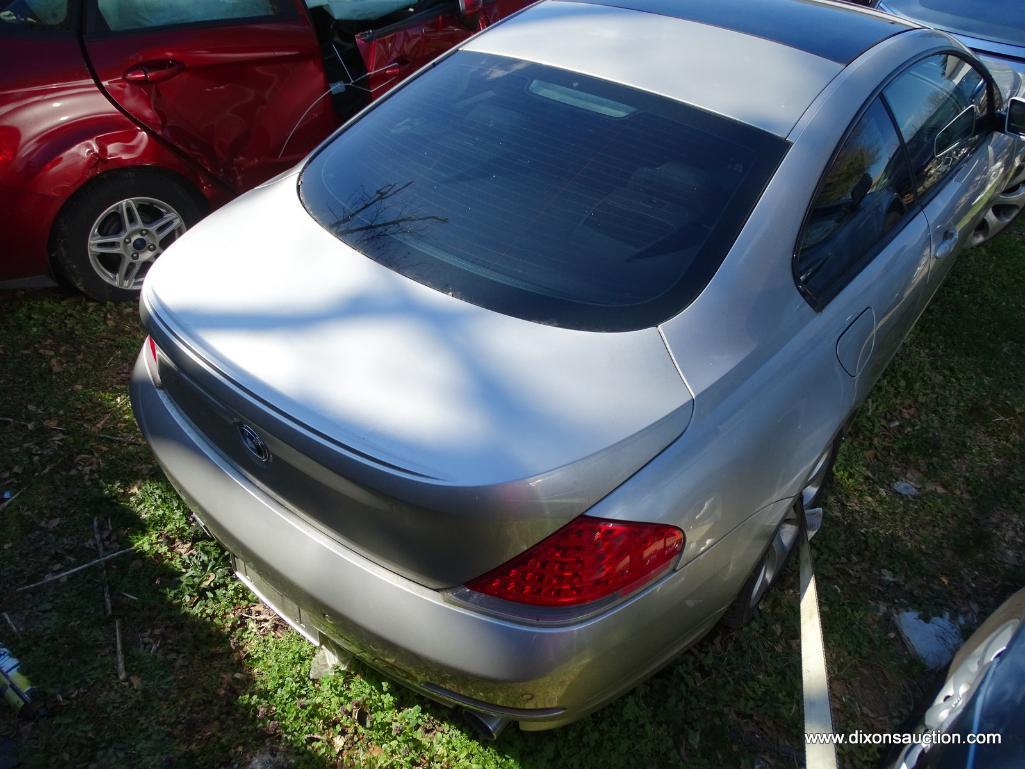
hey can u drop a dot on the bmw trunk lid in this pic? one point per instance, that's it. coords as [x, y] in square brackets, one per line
[436, 437]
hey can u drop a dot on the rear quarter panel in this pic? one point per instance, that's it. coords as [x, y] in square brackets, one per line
[769, 393]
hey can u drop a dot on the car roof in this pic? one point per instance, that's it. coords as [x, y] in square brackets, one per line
[839, 32]
[761, 62]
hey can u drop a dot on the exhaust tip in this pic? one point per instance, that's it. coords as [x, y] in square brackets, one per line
[486, 726]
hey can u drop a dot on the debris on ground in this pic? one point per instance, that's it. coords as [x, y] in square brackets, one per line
[15, 688]
[906, 488]
[75, 570]
[933, 642]
[7, 497]
[270, 759]
[326, 661]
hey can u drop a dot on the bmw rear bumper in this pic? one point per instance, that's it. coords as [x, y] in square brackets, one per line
[542, 677]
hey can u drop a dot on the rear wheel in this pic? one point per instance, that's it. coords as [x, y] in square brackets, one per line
[111, 232]
[766, 572]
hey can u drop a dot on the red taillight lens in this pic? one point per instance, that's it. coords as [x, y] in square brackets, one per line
[586, 560]
[152, 348]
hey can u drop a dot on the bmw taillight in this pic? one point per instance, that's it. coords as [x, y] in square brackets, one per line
[151, 345]
[588, 560]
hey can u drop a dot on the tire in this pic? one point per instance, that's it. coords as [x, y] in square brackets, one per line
[1002, 211]
[770, 565]
[139, 212]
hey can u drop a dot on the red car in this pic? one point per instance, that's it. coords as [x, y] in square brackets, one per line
[122, 122]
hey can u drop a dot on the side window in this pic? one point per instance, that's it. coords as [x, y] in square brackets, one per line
[124, 15]
[34, 14]
[940, 104]
[863, 198]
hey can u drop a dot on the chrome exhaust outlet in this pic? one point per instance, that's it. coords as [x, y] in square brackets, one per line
[486, 726]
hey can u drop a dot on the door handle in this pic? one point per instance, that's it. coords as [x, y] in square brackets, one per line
[947, 245]
[154, 71]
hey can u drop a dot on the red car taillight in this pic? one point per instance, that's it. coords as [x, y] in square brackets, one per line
[586, 560]
[152, 346]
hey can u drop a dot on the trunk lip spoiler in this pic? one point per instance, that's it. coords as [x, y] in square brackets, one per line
[170, 342]
[511, 514]
[366, 468]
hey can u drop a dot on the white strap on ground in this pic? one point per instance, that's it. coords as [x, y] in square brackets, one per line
[817, 716]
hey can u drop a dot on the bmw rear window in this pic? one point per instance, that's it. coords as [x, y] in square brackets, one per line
[542, 193]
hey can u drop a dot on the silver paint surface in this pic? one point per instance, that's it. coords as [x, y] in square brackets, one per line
[419, 438]
[743, 77]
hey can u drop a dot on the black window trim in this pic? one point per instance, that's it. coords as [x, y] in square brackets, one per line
[819, 303]
[987, 122]
[95, 27]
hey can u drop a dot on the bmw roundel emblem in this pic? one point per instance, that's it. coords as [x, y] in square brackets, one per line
[253, 442]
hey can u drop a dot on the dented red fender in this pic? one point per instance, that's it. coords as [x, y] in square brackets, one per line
[58, 131]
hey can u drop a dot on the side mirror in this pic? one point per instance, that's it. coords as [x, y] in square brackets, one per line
[1016, 117]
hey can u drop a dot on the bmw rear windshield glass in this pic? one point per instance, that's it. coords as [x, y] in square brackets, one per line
[542, 193]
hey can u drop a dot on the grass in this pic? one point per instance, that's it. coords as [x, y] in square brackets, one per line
[215, 680]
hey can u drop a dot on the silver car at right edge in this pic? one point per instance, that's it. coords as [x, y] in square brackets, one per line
[513, 390]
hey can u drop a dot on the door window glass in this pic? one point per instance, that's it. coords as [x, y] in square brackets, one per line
[864, 197]
[122, 15]
[41, 14]
[939, 104]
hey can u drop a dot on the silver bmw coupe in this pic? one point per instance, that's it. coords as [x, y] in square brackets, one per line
[514, 387]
